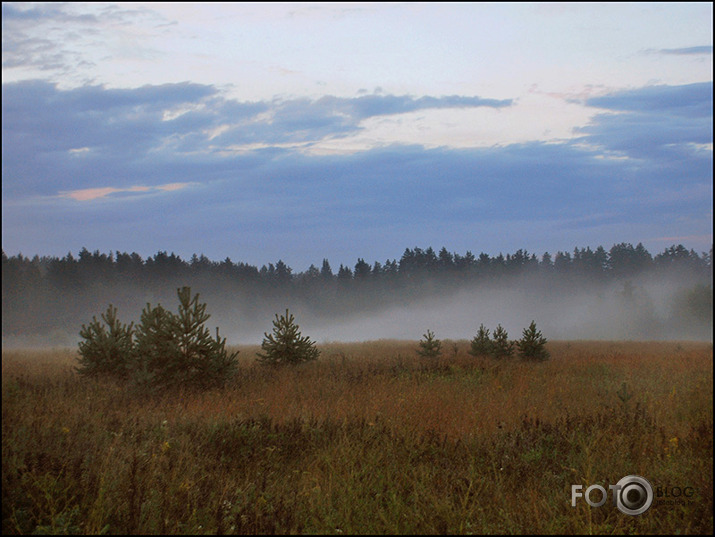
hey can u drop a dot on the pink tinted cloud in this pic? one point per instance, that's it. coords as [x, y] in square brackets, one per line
[89, 194]
[172, 186]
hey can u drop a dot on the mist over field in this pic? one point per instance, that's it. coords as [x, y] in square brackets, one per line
[604, 312]
[649, 308]
[669, 297]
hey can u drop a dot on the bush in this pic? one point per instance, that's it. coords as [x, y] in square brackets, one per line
[481, 344]
[501, 347]
[105, 352]
[429, 346]
[286, 345]
[532, 344]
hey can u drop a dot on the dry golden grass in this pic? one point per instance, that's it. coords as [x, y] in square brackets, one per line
[369, 438]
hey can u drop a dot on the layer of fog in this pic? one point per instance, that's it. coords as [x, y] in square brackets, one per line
[641, 308]
[604, 314]
[645, 308]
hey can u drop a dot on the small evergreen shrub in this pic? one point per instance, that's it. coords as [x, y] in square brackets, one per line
[178, 350]
[430, 347]
[481, 344]
[155, 348]
[105, 351]
[501, 347]
[532, 345]
[165, 350]
[286, 345]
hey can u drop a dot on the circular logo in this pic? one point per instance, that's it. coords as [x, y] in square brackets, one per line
[635, 495]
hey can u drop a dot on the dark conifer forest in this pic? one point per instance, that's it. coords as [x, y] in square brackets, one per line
[623, 292]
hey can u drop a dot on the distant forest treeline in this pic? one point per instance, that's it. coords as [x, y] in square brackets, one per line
[45, 294]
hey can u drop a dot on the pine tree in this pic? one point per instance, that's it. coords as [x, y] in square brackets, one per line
[178, 350]
[501, 346]
[532, 344]
[205, 361]
[429, 346]
[286, 345]
[105, 352]
[481, 344]
[155, 357]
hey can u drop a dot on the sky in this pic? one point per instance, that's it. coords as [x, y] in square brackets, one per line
[339, 131]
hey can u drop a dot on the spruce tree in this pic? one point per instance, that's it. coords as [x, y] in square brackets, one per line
[501, 346]
[532, 344]
[286, 345]
[481, 344]
[105, 351]
[429, 346]
[326, 272]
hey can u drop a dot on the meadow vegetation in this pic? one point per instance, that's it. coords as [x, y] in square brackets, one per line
[369, 438]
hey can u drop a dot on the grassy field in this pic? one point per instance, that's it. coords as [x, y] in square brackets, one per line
[370, 438]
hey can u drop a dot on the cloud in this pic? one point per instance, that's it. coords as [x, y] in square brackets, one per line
[90, 194]
[67, 152]
[380, 105]
[40, 12]
[57, 38]
[61, 140]
[665, 124]
[691, 100]
[42, 37]
[374, 203]
[686, 51]
[311, 120]
[129, 134]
